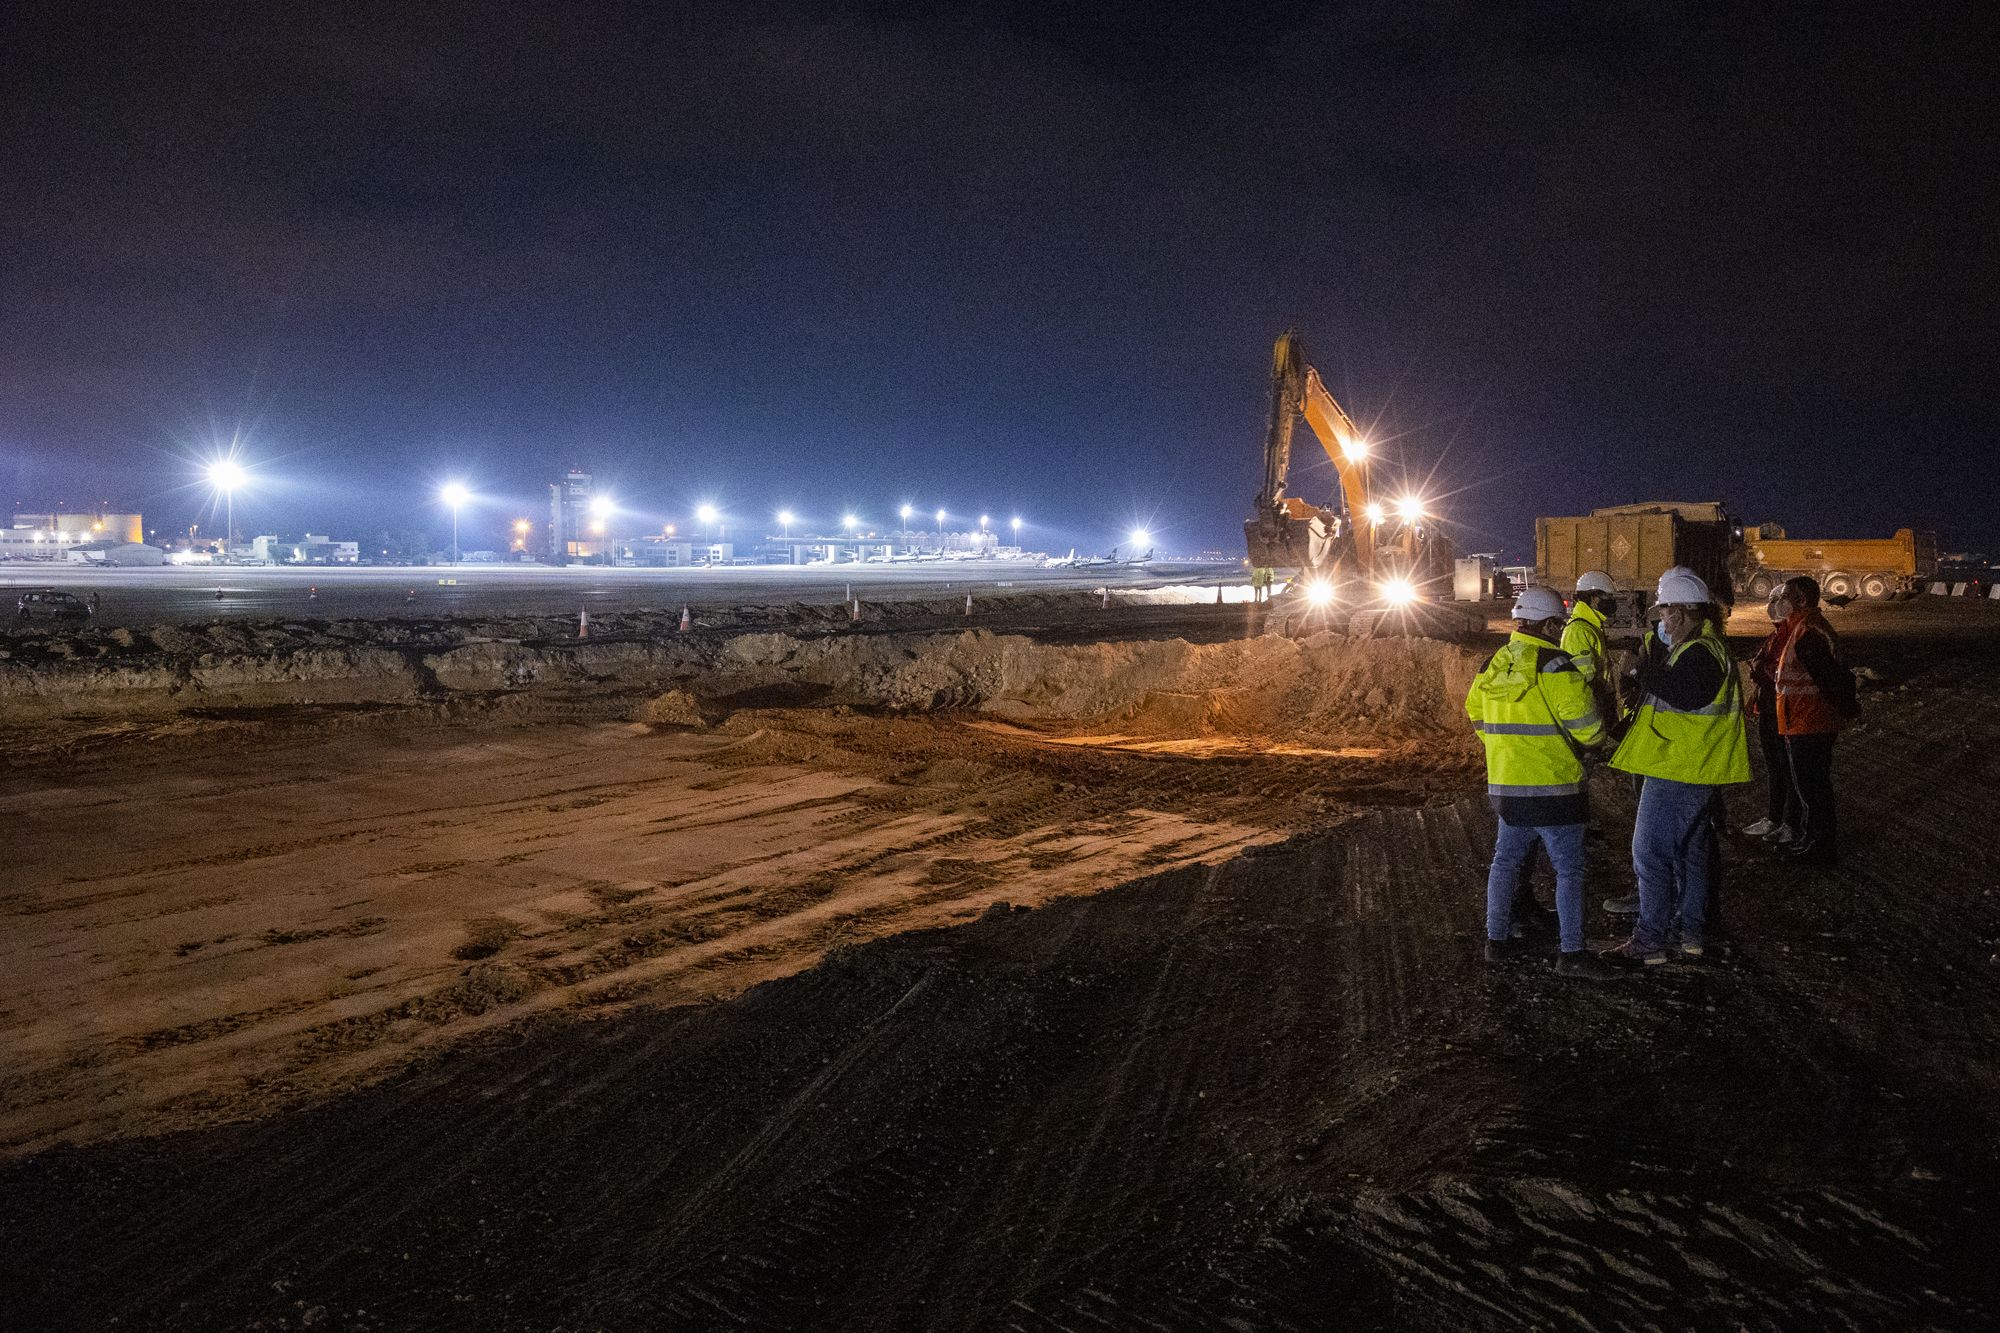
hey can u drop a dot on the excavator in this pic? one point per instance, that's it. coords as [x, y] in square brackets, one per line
[1356, 554]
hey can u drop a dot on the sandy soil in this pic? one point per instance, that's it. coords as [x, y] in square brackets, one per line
[1269, 1087]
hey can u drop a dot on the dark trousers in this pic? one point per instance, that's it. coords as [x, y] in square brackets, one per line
[1812, 781]
[1781, 802]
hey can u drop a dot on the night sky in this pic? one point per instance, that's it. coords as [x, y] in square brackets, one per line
[1014, 259]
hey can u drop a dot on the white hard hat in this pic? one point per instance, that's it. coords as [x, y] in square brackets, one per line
[1595, 580]
[1681, 586]
[1539, 604]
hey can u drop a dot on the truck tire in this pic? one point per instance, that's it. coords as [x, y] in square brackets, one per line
[1762, 584]
[1839, 583]
[1877, 587]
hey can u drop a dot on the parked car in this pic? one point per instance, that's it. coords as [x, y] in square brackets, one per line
[49, 604]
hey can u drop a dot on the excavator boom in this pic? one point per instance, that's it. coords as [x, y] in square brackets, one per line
[1289, 531]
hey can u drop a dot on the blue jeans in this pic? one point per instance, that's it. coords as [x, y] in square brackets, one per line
[1510, 849]
[1673, 849]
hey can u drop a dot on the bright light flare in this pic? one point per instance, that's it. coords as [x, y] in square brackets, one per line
[597, 526]
[521, 525]
[707, 513]
[786, 517]
[226, 474]
[1410, 509]
[1140, 536]
[600, 506]
[906, 511]
[1374, 512]
[940, 518]
[454, 493]
[1399, 592]
[848, 521]
[1016, 522]
[1319, 593]
[1354, 448]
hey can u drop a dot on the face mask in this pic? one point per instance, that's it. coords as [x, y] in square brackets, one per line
[1666, 635]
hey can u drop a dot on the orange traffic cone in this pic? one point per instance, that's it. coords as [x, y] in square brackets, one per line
[583, 623]
[968, 604]
[684, 620]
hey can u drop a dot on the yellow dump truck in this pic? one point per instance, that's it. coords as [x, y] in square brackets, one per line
[1872, 568]
[1635, 544]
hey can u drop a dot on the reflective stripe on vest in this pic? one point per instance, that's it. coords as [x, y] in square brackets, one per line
[1546, 789]
[1706, 745]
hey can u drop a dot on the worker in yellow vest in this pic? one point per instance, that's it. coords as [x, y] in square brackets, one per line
[1686, 740]
[1583, 637]
[1534, 714]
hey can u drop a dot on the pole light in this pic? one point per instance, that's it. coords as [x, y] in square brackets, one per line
[455, 495]
[1015, 522]
[848, 521]
[1141, 537]
[226, 474]
[785, 521]
[906, 511]
[983, 521]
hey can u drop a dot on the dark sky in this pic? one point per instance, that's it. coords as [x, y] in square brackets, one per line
[1012, 259]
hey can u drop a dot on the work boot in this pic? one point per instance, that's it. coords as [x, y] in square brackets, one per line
[1630, 955]
[1692, 952]
[1504, 951]
[1780, 835]
[1760, 828]
[1626, 906]
[1583, 965]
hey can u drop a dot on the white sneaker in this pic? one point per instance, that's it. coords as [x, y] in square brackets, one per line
[1782, 835]
[1759, 829]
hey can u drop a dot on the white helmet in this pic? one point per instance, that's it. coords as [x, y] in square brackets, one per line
[1595, 580]
[1681, 586]
[1538, 603]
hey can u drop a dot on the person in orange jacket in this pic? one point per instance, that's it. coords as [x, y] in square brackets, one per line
[1780, 819]
[1815, 696]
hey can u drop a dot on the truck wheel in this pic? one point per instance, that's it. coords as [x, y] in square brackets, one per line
[1762, 586]
[1877, 587]
[1837, 584]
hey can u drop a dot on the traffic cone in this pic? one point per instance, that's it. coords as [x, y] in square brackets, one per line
[854, 611]
[684, 620]
[583, 623]
[1218, 594]
[968, 604]
[312, 592]
[410, 596]
[1107, 598]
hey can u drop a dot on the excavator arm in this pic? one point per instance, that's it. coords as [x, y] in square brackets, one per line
[1290, 531]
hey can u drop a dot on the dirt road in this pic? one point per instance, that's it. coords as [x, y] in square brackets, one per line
[1273, 1089]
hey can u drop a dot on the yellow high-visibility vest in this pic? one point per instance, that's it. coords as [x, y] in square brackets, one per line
[1528, 705]
[1707, 745]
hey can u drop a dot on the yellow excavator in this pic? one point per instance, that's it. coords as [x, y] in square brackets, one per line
[1358, 552]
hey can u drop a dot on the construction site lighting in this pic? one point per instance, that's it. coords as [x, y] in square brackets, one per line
[906, 511]
[600, 506]
[454, 493]
[1140, 536]
[226, 474]
[983, 521]
[1399, 592]
[848, 521]
[707, 513]
[1374, 512]
[786, 518]
[1410, 509]
[521, 525]
[1319, 593]
[1016, 522]
[1355, 448]
[940, 520]
[597, 526]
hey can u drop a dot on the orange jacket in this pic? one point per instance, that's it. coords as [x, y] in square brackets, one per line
[1805, 707]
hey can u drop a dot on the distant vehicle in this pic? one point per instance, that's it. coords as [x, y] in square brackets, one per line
[1872, 568]
[49, 604]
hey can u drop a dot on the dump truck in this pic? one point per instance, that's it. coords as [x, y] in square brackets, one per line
[1358, 549]
[1871, 568]
[1635, 544]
